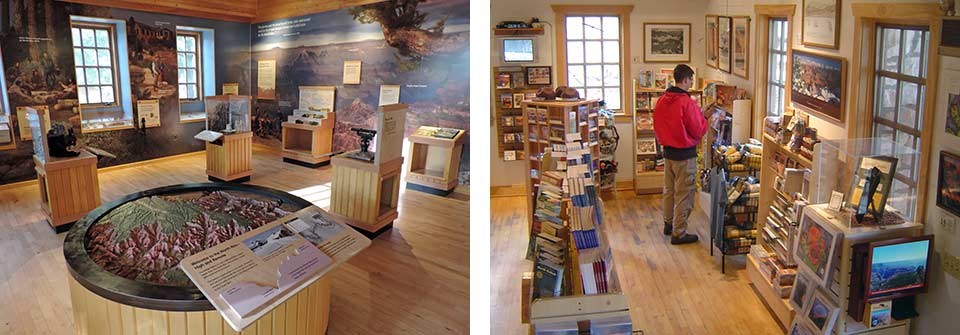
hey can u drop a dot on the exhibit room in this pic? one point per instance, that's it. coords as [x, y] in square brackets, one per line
[228, 167]
[724, 167]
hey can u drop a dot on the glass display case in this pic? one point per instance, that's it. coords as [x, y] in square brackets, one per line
[228, 114]
[846, 166]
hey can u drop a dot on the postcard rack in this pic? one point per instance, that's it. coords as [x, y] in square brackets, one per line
[510, 83]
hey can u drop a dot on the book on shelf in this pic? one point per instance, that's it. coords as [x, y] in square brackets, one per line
[548, 277]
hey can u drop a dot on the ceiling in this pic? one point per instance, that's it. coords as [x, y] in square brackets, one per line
[231, 10]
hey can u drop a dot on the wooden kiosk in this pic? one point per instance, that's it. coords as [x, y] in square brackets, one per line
[365, 193]
[308, 145]
[230, 154]
[69, 186]
[434, 161]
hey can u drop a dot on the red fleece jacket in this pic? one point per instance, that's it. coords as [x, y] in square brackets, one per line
[677, 121]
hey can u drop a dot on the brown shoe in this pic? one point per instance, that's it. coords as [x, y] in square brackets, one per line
[684, 239]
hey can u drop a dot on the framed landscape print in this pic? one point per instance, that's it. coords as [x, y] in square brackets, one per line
[815, 248]
[948, 183]
[710, 40]
[820, 313]
[538, 75]
[801, 291]
[666, 42]
[741, 46]
[953, 115]
[818, 83]
[724, 49]
[821, 22]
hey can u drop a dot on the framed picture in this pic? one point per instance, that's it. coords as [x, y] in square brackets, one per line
[821, 22]
[815, 248]
[948, 183]
[503, 80]
[710, 40]
[506, 100]
[800, 328]
[819, 83]
[646, 146]
[741, 46]
[538, 75]
[953, 115]
[666, 42]
[887, 166]
[801, 292]
[724, 49]
[517, 100]
[820, 313]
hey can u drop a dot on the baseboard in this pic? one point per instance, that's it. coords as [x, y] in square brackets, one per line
[624, 185]
[150, 161]
[507, 191]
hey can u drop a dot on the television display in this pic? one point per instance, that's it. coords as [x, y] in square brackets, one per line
[898, 267]
[518, 50]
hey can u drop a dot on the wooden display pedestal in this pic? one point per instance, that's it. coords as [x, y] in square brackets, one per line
[69, 188]
[434, 161]
[308, 145]
[229, 158]
[365, 194]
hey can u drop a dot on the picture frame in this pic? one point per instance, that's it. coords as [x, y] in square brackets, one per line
[952, 125]
[539, 75]
[820, 313]
[666, 42]
[517, 100]
[799, 328]
[741, 47]
[815, 248]
[821, 22]
[724, 36]
[948, 183]
[710, 40]
[646, 146]
[887, 166]
[802, 287]
[503, 80]
[506, 100]
[819, 84]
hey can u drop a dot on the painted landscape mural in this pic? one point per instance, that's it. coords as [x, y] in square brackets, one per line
[423, 46]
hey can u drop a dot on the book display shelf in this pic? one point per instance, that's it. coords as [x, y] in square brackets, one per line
[648, 161]
[509, 84]
[574, 285]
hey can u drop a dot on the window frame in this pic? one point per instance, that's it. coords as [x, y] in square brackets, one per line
[764, 13]
[772, 23]
[603, 64]
[198, 47]
[624, 114]
[114, 66]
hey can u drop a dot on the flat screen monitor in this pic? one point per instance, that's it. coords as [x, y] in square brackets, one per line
[898, 267]
[518, 50]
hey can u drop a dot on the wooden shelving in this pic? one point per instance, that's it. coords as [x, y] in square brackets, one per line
[517, 31]
[645, 180]
[509, 119]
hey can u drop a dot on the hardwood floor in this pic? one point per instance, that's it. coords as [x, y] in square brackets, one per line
[671, 289]
[412, 280]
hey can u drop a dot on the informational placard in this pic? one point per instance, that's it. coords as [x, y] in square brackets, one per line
[248, 276]
[391, 121]
[317, 98]
[231, 89]
[267, 79]
[389, 94]
[24, 125]
[351, 72]
[149, 113]
[208, 135]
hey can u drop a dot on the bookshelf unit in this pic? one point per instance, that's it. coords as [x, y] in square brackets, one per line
[508, 114]
[648, 165]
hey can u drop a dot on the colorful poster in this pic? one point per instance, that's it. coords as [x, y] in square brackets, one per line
[267, 79]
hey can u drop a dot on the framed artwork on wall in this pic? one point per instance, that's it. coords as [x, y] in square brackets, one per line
[948, 183]
[538, 75]
[741, 46]
[815, 248]
[724, 49]
[952, 126]
[821, 22]
[710, 40]
[666, 42]
[819, 83]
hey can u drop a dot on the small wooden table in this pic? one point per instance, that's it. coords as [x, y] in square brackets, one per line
[434, 161]
[307, 145]
[229, 158]
[69, 188]
[365, 194]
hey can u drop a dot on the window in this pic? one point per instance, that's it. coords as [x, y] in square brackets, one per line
[188, 64]
[93, 54]
[593, 57]
[777, 63]
[901, 76]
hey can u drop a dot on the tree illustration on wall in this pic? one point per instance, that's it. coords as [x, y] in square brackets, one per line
[402, 26]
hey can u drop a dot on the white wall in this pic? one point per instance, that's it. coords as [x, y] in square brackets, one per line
[504, 173]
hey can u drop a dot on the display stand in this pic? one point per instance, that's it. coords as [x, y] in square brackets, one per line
[366, 193]
[732, 225]
[434, 161]
[69, 188]
[229, 158]
[308, 145]
[509, 116]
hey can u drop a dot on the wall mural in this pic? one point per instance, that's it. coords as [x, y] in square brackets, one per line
[39, 70]
[423, 46]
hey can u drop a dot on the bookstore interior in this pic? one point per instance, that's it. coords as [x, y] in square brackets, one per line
[814, 150]
[227, 167]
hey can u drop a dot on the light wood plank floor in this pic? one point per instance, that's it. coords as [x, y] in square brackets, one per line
[412, 280]
[671, 289]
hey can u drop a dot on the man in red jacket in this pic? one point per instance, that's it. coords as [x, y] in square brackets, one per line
[679, 125]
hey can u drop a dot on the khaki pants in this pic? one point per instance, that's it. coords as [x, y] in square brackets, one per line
[678, 189]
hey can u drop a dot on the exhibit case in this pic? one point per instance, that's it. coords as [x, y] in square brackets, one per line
[227, 114]
[229, 139]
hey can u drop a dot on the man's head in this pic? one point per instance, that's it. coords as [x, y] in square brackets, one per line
[683, 75]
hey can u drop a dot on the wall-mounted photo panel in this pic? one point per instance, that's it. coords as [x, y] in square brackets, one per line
[821, 22]
[819, 84]
[710, 41]
[741, 46]
[666, 42]
[724, 48]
